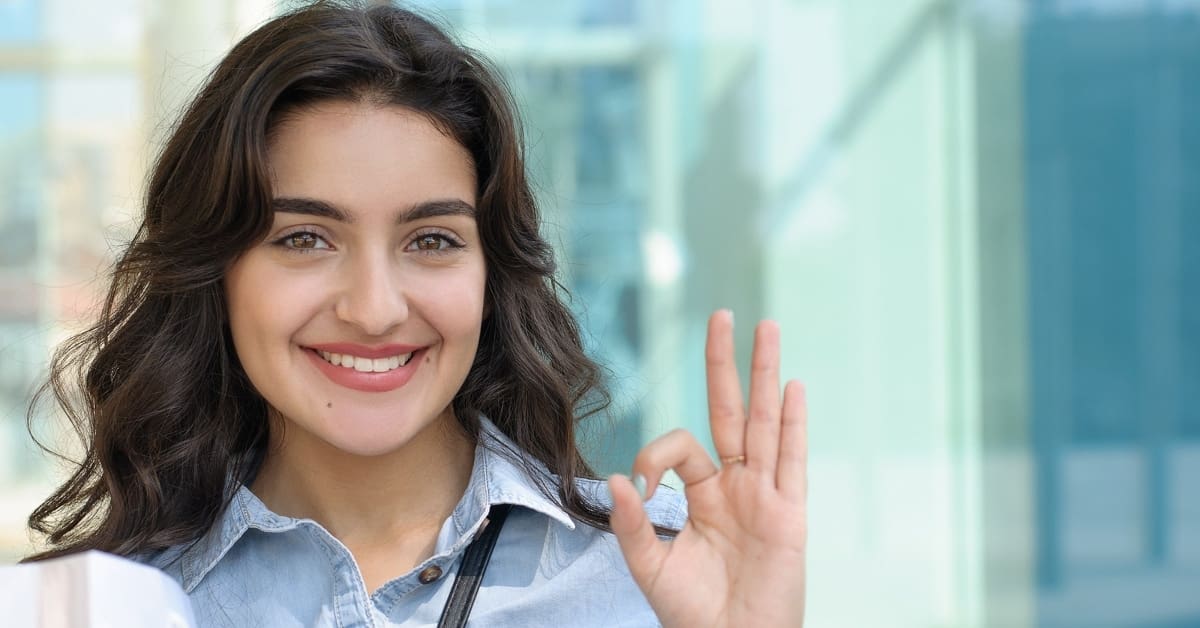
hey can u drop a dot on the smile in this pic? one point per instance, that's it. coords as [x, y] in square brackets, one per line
[367, 369]
[366, 365]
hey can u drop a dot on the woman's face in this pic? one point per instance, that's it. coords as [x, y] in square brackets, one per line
[359, 315]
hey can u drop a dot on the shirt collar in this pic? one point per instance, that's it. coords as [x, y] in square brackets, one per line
[502, 474]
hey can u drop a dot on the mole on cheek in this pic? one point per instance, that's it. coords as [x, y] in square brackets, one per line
[428, 359]
[328, 404]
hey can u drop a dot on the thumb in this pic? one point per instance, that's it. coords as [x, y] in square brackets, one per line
[643, 551]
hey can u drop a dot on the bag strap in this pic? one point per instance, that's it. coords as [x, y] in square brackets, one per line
[470, 574]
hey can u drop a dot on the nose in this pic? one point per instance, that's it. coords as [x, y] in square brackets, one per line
[372, 297]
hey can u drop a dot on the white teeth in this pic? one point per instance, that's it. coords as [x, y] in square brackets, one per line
[366, 365]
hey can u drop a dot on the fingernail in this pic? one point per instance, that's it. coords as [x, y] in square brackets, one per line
[639, 483]
[730, 316]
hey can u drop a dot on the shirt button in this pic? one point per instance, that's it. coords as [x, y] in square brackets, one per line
[429, 574]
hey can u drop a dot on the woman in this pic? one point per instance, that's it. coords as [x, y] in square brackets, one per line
[335, 349]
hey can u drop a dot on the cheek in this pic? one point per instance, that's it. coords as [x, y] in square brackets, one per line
[245, 304]
[265, 306]
[456, 305]
[247, 292]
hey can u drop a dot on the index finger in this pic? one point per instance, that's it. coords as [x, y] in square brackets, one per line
[726, 416]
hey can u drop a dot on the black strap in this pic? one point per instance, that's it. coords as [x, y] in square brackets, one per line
[470, 573]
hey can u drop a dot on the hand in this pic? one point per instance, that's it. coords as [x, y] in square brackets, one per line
[739, 560]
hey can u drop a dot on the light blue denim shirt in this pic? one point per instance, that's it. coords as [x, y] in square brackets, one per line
[257, 568]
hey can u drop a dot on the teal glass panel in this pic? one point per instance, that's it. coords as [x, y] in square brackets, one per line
[1113, 148]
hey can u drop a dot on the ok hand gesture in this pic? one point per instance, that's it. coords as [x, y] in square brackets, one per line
[739, 560]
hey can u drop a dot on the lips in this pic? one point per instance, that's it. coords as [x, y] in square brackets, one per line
[367, 369]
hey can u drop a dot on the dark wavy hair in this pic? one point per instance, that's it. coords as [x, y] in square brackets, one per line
[154, 388]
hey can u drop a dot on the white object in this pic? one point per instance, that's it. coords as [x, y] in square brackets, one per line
[91, 590]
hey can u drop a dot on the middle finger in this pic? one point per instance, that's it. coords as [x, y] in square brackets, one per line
[762, 426]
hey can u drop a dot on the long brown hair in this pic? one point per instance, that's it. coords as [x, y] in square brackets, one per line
[154, 387]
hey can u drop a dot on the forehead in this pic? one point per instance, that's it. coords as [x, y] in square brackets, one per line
[363, 156]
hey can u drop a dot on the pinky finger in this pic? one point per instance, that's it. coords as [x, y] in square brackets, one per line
[643, 551]
[791, 474]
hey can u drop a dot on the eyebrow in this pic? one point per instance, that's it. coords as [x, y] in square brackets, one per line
[420, 211]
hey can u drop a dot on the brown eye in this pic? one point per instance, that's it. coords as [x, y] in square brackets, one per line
[302, 241]
[430, 242]
[434, 243]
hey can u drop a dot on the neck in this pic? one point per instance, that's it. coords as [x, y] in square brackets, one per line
[364, 500]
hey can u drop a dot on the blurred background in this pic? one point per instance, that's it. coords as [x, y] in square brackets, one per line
[970, 216]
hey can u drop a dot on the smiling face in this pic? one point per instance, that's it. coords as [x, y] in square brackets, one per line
[358, 317]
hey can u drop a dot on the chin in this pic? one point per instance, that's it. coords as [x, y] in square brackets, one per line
[375, 434]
